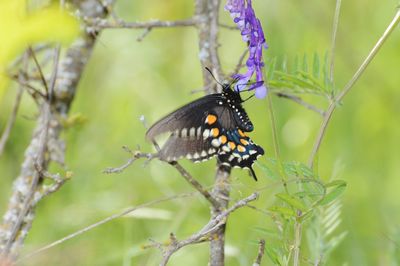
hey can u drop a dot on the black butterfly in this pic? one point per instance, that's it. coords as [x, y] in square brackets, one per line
[214, 125]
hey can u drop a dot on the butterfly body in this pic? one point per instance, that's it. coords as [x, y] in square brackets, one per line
[213, 125]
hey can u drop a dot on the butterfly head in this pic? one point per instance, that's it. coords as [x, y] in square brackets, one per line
[234, 101]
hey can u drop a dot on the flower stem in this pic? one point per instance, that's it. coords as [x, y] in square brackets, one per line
[334, 33]
[328, 114]
[276, 144]
[297, 240]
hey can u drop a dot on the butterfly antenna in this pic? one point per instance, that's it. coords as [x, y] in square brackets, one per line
[212, 75]
[251, 96]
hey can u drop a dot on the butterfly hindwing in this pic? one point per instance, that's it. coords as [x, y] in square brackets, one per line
[239, 151]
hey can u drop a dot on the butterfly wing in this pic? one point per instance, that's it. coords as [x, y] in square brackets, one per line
[193, 115]
[204, 128]
[239, 151]
[186, 117]
[195, 149]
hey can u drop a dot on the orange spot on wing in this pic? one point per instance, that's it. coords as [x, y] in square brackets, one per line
[241, 133]
[223, 139]
[240, 148]
[232, 145]
[211, 119]
[214, 132]
[244, 142]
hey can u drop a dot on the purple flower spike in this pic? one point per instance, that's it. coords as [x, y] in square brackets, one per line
[243, 15]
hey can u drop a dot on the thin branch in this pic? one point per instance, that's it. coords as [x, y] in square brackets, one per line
[21, 203]
[24, 84]
[334, 33]
[185, 174]
[53, 77]
[103, 221]
[135, 155]
[118, 24]
[298, 100]
[43, 147]
[144, 34]
[40, 160]
[195, 184]
[229, 27]
[239, 65]
[207, 231]
[261, 250]
[221, 193]
[39, 68]
[297, 239]
[395, 21]
[46, 190]
[11, 120]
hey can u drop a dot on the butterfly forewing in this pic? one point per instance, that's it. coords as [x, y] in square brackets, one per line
[186, 117]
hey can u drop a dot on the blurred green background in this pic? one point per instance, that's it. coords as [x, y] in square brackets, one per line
[126, 79]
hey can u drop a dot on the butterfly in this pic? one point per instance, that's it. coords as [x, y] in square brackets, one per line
[214, 125]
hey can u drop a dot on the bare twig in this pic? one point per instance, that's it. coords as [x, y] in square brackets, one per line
[185, 174]
[395, 21]
[144, 34]
[229, 27]
[39, 68]
[261, 249]
[106, 24]
[207, 14]
[13, 116]
[195, 184]
[209, 231]
[135, 155]
[19, 216]
[221, 193]
[103, 221]
[30, 89]
[54, 73]
[11, 120]
[39, 160]
[239, 65]
[298, 100]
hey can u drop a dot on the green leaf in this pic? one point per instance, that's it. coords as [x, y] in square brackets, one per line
[284, 64]
[305, 63]
[268, 171]
[297, 81]
[316, 66]
[283, 210]
[306, 215]
[326, 71]
[292, 201]
[273, 254]
[265, 231]
[334, 194]
[336, 183]
[271, 69]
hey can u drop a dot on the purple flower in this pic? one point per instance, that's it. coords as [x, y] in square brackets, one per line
[243, 15]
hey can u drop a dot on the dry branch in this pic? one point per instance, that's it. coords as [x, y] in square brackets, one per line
[101, 222]
[184, 173]
[46, 146]
[207, 233]
[261, 249]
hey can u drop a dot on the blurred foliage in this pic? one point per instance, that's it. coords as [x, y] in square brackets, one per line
[126, 79]
[20, 27]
